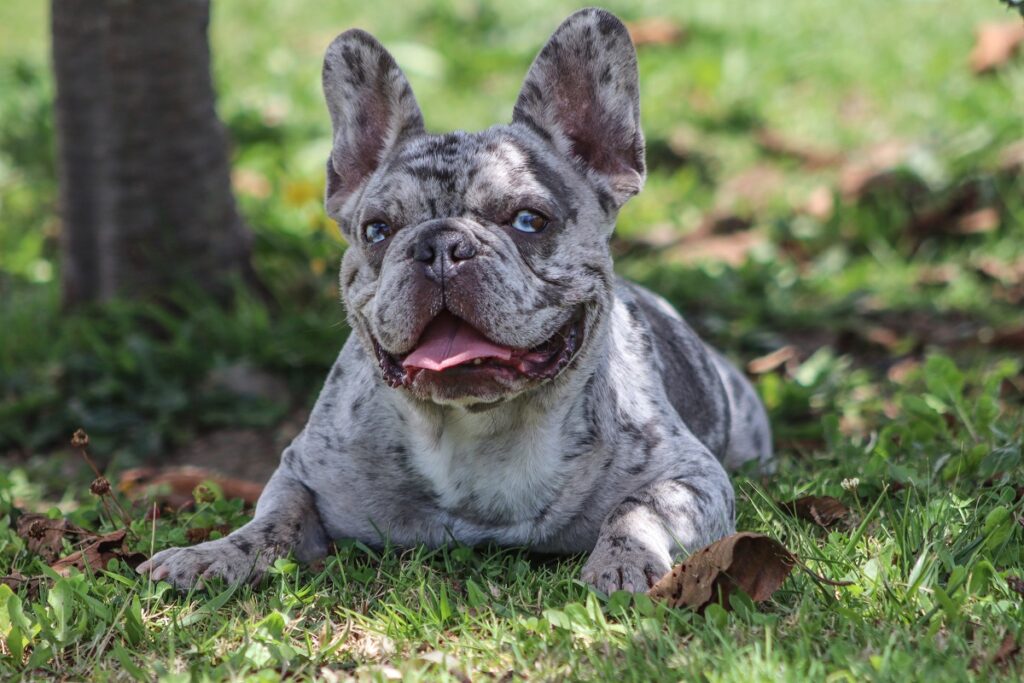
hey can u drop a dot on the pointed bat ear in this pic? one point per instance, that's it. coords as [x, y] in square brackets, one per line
[582, 94]
[372, 110]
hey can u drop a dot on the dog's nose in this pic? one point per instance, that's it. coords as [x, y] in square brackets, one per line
[441, 249]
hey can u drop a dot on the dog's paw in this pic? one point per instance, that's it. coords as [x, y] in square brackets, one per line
[621, 564]
[229, 559]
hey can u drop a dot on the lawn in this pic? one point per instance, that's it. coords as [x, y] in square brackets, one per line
[834, 198]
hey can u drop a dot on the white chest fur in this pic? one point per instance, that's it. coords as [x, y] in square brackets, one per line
[505, 475]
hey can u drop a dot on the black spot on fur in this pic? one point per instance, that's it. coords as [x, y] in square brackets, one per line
[242, 544]
[337, 373]
[606, 23]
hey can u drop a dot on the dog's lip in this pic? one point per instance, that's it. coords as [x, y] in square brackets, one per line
[541, 362]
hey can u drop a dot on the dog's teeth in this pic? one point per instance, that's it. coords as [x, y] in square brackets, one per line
[478, 361]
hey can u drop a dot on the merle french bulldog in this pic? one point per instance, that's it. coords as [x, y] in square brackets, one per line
[501, 384]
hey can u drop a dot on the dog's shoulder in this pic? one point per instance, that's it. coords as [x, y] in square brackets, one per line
[685, 364]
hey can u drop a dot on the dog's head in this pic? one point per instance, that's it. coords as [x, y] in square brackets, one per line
[478, 265]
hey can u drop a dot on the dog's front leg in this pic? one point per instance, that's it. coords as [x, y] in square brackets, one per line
[286, 520]
[642, 534]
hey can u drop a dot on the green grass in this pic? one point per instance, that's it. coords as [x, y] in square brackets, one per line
[936, 450]
[926, 562]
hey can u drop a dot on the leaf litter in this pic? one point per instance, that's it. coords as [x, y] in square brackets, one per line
[824, 511]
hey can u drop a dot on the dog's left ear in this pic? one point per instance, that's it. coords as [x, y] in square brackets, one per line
[582, 93]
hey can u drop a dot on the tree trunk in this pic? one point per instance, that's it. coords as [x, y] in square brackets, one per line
[143, 164]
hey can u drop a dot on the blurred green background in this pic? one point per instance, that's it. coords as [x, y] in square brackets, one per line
[831, 177]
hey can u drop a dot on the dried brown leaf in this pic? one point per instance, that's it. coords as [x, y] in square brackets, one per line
[822, 510]
[771, 361]
[872, 167]
[1011, 159]
[175, 485]
[752, 189]
[1007, 273]
[902, 369]
[1016, 584]
[775, 142]
[820, 203]
[995, 45]
[982, 220]
[655, 31]
[97, 554]
[732, 249]
[44, 536]
[753, 563]
[1008, 338]
[1007, 650]
[17, 582]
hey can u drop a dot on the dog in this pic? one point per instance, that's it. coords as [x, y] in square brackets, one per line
[501, 384]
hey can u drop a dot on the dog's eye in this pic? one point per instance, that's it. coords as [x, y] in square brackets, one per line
[529, 221]
[376, 231]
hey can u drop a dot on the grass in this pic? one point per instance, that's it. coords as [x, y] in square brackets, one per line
[904, 397]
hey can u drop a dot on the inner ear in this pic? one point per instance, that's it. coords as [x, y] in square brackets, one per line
[582, 94]
[372, 110]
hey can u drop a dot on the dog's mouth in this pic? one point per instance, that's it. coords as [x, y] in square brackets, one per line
[451, 350]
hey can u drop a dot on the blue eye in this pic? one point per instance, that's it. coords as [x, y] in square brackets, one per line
[529, 221]
[376, 231]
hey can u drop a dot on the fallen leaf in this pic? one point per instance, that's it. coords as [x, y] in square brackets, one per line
[995, 45]
[822, 510]
[941, 274]
[732, 249]
[771, 361]
[17, 581]
[1006, 273]
[1009, 338]
[882, 336]
[45, 536]
[872, 167]
[1011, 159]
[752, 189]
[820, 203]
[719, 223]
[94, 557]
[753, 563]
[1016, 584]
[900, 370]
[1006, 651]
[959, 212]
[655, 31]
[981, 220]
[180, 482]
[774, 142]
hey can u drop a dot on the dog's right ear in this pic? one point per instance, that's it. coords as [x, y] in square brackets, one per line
[372, 109]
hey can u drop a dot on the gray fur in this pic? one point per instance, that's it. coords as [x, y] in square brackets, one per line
[618, 454]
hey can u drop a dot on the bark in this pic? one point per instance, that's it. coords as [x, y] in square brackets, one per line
[145, 185]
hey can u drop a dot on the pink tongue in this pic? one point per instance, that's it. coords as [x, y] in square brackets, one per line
[449, 341]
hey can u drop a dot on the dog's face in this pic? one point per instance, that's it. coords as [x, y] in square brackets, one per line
[478, 265]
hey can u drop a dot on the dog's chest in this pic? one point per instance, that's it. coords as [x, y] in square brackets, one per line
[497, 480]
